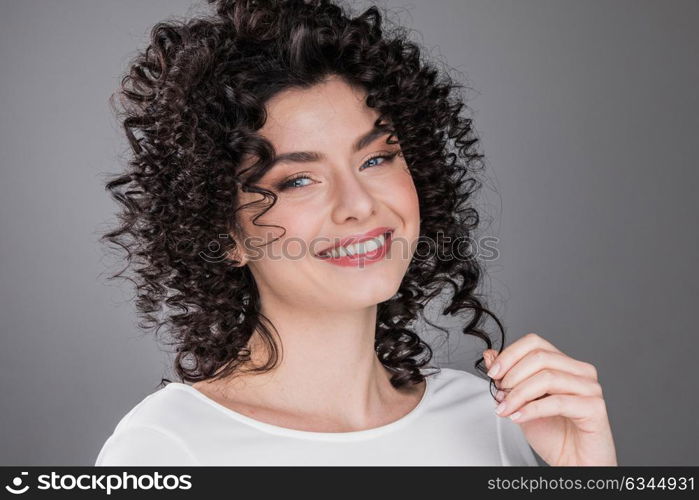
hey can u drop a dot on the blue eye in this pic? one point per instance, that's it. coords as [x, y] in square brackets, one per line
[289, 183]
[386, 157]
[375, 158]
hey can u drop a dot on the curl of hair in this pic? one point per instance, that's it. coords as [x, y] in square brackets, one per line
[191, 105]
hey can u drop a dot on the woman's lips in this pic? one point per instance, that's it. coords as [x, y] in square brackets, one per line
[357, 238]
[361, 259]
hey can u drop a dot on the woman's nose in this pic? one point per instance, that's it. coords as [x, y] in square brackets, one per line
[352, 199]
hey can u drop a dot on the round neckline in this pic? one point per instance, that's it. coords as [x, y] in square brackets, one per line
[314, 435]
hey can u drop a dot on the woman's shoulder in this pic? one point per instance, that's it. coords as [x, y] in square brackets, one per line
[463, 400]
[164, 407]
[151, 433]
[455, 382]
[458, 394]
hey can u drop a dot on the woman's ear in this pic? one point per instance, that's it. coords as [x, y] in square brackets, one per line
[237, 254]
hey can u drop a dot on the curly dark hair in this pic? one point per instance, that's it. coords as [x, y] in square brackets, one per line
[191, 104]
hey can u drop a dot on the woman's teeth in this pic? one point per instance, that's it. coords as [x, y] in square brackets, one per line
[358, 248]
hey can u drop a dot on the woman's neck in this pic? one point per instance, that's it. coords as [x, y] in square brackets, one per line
[328, 371]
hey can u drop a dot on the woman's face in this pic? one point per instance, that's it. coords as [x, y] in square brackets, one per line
[340, 193]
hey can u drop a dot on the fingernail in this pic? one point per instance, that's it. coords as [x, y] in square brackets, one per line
[500, 408]
[499, 395]
[515, 415]
[494, 370]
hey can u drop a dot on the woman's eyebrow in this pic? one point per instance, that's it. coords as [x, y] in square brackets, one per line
[311, 156]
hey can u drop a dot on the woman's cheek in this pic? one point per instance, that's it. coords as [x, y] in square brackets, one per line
[406, 200]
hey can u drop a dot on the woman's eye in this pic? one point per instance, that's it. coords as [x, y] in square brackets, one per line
[293, 183]
[374, 158]
[386, 157]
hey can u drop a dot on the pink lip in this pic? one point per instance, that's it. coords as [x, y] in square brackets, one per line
[357, 238]
[364, 259]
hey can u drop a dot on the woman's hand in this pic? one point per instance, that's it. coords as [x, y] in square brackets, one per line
[556, 400]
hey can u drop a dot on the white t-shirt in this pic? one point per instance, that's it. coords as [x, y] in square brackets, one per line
[454, 424]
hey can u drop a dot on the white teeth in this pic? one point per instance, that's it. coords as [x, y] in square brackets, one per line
[371, 245]
[357, 248]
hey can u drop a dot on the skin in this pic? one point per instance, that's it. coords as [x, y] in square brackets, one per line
[562, 410]
[330, 378]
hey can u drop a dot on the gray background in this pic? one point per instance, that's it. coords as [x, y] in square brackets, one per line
[588, 115]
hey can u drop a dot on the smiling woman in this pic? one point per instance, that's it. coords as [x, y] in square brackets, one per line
[326, 152]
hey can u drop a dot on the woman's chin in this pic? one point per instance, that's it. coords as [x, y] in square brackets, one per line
[366, 297]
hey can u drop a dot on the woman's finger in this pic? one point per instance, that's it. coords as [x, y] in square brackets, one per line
[579, 409]
[516, 351]
[544, 384]
[539, 359]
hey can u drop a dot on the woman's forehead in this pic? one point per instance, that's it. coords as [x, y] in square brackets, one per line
[331, 111]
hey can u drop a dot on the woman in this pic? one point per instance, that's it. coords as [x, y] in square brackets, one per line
[290, 164]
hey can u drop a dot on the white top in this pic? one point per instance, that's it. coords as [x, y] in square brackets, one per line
[453, 424]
